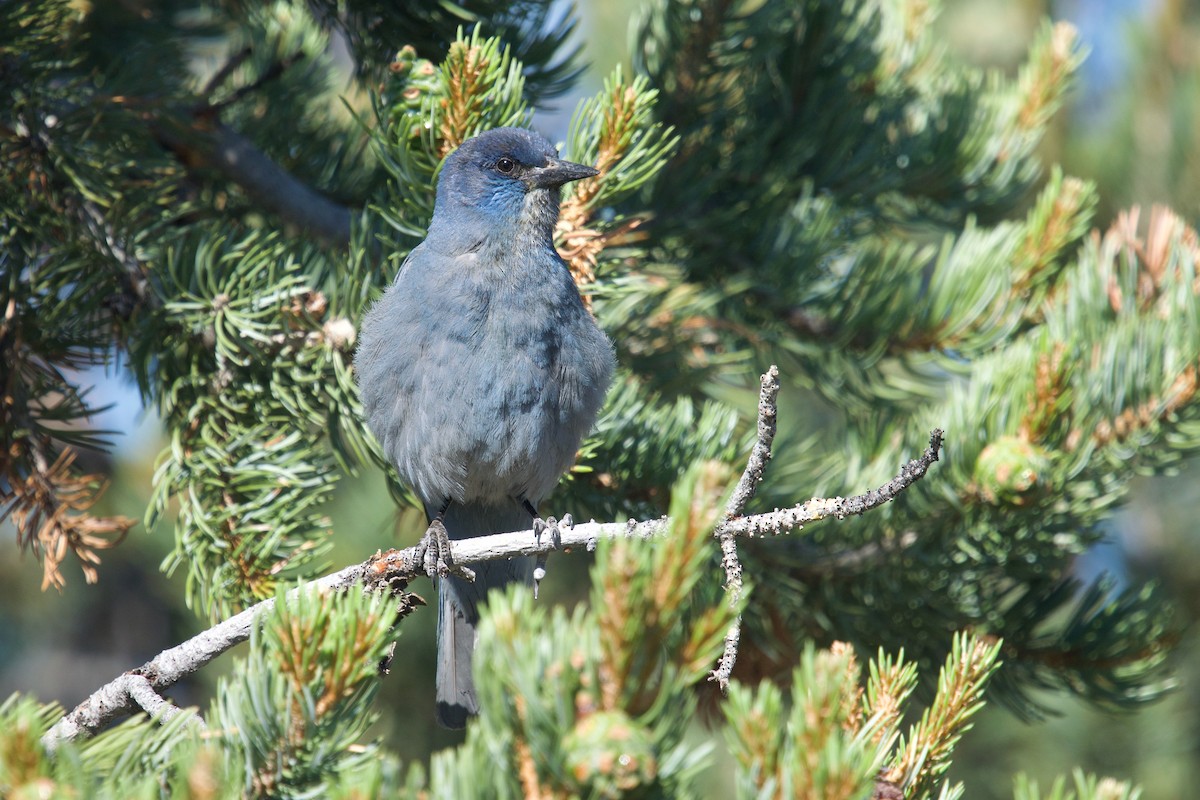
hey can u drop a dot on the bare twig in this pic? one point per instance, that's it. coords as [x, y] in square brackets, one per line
[220, 76]
[121, 696]
[746, 488]
[395, 567]
[274, 71]
[761, 454]
[733, 590]
[788, 519]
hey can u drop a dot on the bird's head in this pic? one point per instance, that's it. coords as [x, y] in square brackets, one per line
[506, 177]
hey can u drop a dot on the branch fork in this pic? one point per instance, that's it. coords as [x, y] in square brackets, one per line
[745, 490]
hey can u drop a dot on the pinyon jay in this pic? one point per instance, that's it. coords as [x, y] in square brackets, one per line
[481, 371]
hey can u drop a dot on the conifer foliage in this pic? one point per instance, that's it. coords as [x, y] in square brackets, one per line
[203, 193]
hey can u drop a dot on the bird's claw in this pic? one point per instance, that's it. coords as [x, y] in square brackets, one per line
[554, 527]
[435, 549]
[435, 554]
[541, 526]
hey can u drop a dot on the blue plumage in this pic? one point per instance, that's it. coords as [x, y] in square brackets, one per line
[481, 371]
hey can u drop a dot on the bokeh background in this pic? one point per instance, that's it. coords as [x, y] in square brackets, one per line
[1131, 125]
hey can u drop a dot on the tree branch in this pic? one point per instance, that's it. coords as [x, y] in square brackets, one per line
[266, 183]
[223, 74]
[742, 494]
[761, 454]
[733, 590]
[142, 693]
[134, 280]
[274, 71]
[211, 143]
[392, 570]
[788, 519]
[168, 667]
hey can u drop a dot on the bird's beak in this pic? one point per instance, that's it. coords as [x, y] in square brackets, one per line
[556, 173]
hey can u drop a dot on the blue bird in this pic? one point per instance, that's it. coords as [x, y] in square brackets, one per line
[480, 370]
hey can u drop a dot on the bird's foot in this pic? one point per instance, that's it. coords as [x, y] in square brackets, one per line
[554, 527]
[435, 553]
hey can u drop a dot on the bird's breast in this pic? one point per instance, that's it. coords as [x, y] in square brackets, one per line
[481, 378]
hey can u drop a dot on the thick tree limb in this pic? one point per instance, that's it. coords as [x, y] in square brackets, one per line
[394, 568]
[269, 185]
[211, 143]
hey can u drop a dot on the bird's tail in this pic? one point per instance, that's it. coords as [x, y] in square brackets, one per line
[458, 609]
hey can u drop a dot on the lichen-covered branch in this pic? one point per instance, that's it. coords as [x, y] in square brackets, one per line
[746, 487]
[392, 570]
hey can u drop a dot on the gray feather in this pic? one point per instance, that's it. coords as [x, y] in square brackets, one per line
[480, 370]
[459, 604]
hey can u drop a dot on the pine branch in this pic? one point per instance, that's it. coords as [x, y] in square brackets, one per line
[51, 508]
[924, 756]
[392, 570]
[616, 132]
[1081, 787]
[135, 281]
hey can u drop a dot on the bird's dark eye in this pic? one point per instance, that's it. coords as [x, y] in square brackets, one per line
[506, 165]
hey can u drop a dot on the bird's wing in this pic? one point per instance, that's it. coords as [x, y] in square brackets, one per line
[404, 263]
